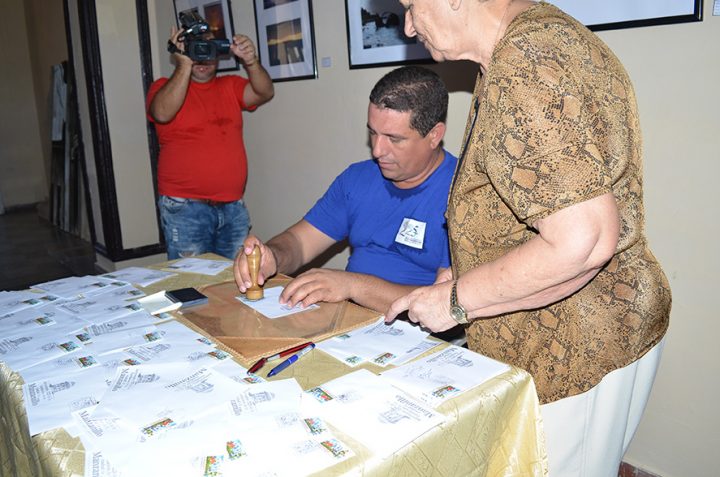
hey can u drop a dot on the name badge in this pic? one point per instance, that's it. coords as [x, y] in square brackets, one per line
[411, 233]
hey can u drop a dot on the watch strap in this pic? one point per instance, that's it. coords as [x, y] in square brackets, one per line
[457, 311]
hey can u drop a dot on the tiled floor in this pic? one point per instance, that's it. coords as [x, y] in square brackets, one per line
[33, 251]
[627, 470]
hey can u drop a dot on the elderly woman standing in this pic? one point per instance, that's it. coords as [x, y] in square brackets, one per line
[551, 270]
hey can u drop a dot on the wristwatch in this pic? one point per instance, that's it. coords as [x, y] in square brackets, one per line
[457, 312]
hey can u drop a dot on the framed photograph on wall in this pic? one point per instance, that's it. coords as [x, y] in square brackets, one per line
[218, 16]
[286, 40]
[376, 35]
[615, 14]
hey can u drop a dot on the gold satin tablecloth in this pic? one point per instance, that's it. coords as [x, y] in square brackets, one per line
[492, 430]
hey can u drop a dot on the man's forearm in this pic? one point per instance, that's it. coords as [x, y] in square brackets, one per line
[170, 98]
[260, 81]
[297, 246]
[287, 250]
[375, 293]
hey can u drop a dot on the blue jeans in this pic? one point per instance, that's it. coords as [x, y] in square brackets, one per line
[192, 227]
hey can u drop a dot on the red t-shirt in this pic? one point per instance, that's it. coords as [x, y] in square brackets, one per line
[202, 154]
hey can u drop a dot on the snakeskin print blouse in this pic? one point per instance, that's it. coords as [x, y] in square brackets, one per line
[557, 124]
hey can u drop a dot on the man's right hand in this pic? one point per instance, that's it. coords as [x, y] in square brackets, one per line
[180, 58]
[268, 264]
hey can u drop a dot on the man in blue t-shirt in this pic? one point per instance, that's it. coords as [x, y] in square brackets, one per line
[390, 208]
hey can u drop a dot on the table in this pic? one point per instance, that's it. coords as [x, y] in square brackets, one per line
[492, 430]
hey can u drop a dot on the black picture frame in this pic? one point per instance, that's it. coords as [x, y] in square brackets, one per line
[367, 48]
[617, 14]
[286, 39]
[218, 14]
[375, 34]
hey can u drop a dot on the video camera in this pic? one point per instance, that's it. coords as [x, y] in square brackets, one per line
[197, 47]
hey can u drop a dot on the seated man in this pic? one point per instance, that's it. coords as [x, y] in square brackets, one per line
[391, 208]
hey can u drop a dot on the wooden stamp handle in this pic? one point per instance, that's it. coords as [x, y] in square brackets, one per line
[255, 292]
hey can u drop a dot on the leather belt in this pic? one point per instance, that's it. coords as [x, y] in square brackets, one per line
[213, 203]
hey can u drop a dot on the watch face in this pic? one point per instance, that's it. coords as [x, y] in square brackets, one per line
[458, 314]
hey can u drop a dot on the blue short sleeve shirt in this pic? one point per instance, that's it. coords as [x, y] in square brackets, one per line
[396, 234]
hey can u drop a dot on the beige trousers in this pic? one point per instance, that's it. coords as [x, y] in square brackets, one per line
[586, 435]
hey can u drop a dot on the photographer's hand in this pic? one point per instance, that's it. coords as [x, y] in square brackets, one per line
[170, 97]
[180, 58]
[261, 88]
[243, 48]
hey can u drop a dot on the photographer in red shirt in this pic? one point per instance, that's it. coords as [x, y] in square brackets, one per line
[202, 169]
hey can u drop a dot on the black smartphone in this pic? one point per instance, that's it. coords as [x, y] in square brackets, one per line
[187, 296]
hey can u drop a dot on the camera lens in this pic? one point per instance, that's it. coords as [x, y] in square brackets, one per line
[203, 50]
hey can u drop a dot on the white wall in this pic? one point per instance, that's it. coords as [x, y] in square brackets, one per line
[48, 47]
[676, 70]
[22, 169]
[314, 128]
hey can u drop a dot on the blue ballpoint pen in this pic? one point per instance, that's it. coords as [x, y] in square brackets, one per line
[291, 360]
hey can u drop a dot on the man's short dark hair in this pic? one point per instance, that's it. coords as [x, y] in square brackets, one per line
[415, 89]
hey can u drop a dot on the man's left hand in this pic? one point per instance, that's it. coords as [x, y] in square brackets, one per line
[243, 48]
[318, 284]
